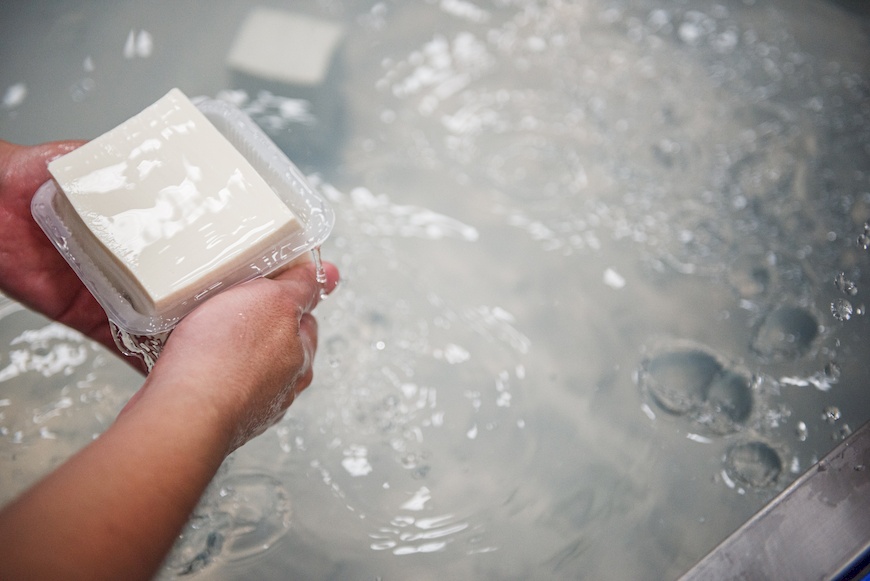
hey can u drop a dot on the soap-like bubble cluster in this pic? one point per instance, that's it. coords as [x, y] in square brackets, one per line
[842, 309]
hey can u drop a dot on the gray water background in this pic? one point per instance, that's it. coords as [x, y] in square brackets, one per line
[589, 255]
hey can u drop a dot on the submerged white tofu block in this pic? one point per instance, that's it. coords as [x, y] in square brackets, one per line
[282, 46]
[172, 204]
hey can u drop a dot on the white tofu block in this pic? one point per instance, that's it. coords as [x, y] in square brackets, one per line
[281, 46]
[166, 206]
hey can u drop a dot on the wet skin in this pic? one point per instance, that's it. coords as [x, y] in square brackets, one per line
[228, 371]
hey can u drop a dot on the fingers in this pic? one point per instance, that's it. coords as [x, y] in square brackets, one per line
[300, 282]
[252, 348]
[27, 166]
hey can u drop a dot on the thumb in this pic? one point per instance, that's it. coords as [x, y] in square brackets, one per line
[301, 285]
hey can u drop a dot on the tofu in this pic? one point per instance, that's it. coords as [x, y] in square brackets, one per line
[292, 67]
[282, 46]
[166, 206]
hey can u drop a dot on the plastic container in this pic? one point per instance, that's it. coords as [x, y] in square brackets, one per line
[280, 174]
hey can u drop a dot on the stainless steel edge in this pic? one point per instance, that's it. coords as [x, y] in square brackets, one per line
[814, 529]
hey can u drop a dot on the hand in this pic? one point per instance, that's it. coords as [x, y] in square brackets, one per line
[261, 333]
[227, 372]
[245, 353]
[31, 269]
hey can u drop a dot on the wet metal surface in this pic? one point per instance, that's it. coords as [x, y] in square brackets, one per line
[815, 529]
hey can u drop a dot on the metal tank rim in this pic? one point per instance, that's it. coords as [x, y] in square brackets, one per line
[817, 528]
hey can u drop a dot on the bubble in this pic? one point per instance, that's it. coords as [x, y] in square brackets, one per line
[864, 241]
[801, 431]
[754, 464]
[845, 285]
[831, 414]
[842, 309]
[786, 333]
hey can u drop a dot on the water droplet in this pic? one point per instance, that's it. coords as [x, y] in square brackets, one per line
[845, 285]
[864, 241]
[145, 347]
[318, 265]
[320, 272]
[831, 414]
[801, 432]
[842, 309]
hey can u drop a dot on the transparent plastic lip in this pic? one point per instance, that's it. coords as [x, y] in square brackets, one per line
[277, 170]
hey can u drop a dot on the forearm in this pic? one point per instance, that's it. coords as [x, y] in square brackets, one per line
[227, 372]
[115, 509]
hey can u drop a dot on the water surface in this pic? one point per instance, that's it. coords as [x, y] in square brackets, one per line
[595, 258]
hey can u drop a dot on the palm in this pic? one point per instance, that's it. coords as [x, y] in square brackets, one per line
[31, 270]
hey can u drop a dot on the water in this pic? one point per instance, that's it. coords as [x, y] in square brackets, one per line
[57, 392]
[585, 324]
[320, 272]
[146, 348]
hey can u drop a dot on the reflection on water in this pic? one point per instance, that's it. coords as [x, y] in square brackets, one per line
[57, 391]
[603, 271]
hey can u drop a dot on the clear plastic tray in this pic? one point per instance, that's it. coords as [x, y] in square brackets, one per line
[279, 172]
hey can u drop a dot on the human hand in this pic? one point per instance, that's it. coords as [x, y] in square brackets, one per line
[245, 354]
[31, 270]
[228, 371]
